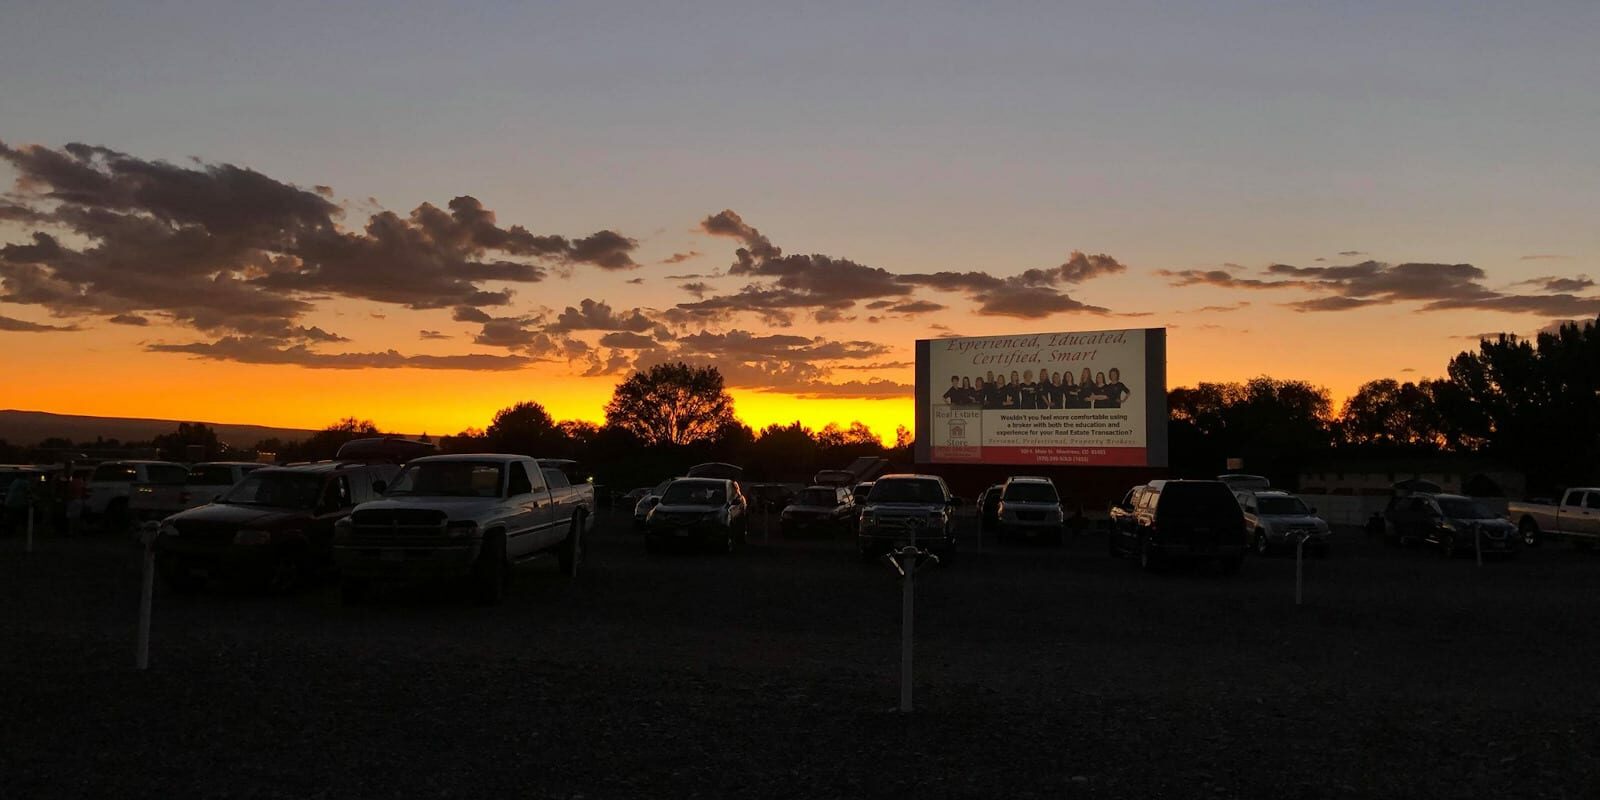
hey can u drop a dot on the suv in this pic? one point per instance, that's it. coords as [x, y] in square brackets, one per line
[1181, 520]
[903, 508]
[1276, 520]
[111, 484]
[830, 507]
[705, 511]
[1451, 522]
[1030, 507]
[271, 530]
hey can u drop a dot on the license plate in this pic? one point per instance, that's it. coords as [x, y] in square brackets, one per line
[393, 555]
[681, 532]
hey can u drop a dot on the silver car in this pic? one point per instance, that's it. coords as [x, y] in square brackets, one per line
[1277, 520]
[1030, 508]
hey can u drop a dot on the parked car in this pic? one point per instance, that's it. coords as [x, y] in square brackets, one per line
[111, 485]
[1182, 520]
[699, 511]
[1576, 518]
[903, 508]
[828, 508]
[463, 516]
[833, 477]
[641, 509]
[989, 507]
[1241, 482]
[1277, 520]
[1451, 522]
[860, 491]
[1029, 507]
[273, 530]
[1120, 520]
[205, 482]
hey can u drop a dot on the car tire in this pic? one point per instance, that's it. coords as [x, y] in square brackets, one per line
[489, 574]
[1148, 560]
[728, 545]
[1530, 533]
[570, 556]
[286, 573]
[353, 590]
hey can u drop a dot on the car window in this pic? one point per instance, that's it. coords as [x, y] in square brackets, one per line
[276, 489]
[1463, 508]
[167, 473]
[520, 483]
[1591, 500]
[555, 478]
[114, 473]
[695, 493]
[337, 493]
[1030, 493]
[449, 479]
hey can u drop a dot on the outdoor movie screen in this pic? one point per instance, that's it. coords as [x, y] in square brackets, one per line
[1089, 398]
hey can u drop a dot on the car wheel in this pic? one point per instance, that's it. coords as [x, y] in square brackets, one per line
[489, 574]
[729, 541]
[353, 590]
[286, 573]
[1530, 533]
[1263, 547]
[570, 556]
[1148, 560]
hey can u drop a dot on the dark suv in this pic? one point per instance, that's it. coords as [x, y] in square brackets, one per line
[271, 531]
[1181, 521]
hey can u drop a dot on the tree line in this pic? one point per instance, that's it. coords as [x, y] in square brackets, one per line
[1530, 404]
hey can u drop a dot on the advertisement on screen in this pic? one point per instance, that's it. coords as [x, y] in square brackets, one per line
[1089, 398]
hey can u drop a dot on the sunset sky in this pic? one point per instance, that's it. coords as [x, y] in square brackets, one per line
[289, 213]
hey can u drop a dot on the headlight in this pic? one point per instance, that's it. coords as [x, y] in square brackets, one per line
[252, 537]
[461, 527]
[1447, 525]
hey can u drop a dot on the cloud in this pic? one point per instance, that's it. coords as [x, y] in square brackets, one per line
[266, 351]
[223, 248]
[1552, 283]
[1432, 286]
[128, 319]
[1545, 257]
[679, 258]
[13, 325]
[432, 335]
[1351, 253]
[1223, 308]
[727, 223]
[635, 281]
[593, 315]
[696, 288]
[627, 340]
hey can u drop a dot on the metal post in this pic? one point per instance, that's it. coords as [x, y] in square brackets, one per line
[1299, 568]
[908, 563]
[30, 528]
[142, 657]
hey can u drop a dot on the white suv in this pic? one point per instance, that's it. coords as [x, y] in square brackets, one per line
[111, 484]
[1276, 520]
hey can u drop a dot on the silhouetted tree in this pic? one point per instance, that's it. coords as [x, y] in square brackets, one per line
[325, 444]
[671, 404]
[525, 428]
[176, 445]
[1388, 412]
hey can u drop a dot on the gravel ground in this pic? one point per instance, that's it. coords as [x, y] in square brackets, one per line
[1041, 672]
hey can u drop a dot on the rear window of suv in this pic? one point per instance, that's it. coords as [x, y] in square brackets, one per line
[1031, 493]
[1198, 500]
[907, 491]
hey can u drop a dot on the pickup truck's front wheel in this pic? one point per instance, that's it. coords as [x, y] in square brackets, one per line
[489, 573]
[1530, 533]
[571, 553]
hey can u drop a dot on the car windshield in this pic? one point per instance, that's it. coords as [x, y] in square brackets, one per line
[277, 489]
[1282, 506]
[927, 492]
[1460, 508]
[449, 479]
[817, 497]
[694, 493]
[1031, 493]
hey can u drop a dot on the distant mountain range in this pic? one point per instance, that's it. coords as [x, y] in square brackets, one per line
[32, 427]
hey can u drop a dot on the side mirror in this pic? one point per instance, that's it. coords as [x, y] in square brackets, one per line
[379, 487]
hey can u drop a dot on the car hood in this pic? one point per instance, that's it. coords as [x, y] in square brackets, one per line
[904, 508]
[240, 515]
[688, 509]
[1291, 519]
[1486, 522]
[809, 509]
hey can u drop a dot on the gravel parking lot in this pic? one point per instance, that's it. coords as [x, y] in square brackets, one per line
[1042, 672]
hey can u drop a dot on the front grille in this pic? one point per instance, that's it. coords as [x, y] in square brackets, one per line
[399, 516]
[396, 524]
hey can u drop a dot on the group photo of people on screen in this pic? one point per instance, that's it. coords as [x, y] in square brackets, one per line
[1045, 390]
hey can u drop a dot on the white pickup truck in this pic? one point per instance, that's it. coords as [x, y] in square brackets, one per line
[205, 481]
[1576, 517]
[464, 516]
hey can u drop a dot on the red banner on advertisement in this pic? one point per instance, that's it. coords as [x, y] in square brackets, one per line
[1043, 454]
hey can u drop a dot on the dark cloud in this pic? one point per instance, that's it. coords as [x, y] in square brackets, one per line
[248, 350]
[469, 314]
[696, 288]
[1545, 257]
[756, 246]
[1351, 253]
[433, 335]
[679, 258]
[877, 365]
[627, 340]
[223, 248]
[129, 319]
[13, 325]
[593, 315]
[635, 281]
[1220, 309]
[1436, 287]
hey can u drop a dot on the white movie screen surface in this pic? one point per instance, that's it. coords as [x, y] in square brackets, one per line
[1085, 398]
